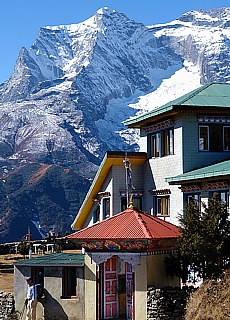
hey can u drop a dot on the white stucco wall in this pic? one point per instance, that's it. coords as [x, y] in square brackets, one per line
[140, 303]
[157, 169]
[53, 306]
[90, 289]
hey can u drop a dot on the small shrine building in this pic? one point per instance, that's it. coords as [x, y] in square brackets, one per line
[125, 255]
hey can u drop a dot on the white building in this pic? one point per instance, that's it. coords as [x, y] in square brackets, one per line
[185, 152]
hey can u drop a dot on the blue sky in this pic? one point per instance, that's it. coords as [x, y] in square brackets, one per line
[20, 21]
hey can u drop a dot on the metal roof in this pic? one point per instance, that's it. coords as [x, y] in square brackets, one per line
[54, 259]
[131, 224]
[215, 170]
[215, 95]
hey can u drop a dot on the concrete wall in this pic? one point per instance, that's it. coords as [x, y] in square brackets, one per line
[90, 289]
[140, 303]
[53, 306]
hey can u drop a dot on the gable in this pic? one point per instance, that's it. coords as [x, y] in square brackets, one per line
[111, 158]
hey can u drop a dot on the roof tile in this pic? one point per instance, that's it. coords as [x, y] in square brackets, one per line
[129, 224]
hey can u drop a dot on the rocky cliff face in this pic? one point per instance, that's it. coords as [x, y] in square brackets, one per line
[77, 83]
[69, 93]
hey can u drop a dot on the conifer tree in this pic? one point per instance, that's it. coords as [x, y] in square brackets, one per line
[204, 244]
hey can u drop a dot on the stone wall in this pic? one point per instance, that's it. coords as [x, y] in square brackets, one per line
[167, 303]
[7, 307]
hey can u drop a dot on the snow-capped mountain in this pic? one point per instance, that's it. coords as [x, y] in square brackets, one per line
[69, 93]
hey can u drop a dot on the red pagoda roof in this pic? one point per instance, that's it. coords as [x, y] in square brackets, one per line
[131, 224]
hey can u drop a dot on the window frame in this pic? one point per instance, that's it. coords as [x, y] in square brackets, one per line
[70, 277]
[168, 142]
[161, 197]
[96, 213]
[193, 195]
[37, 274]
[216, 137]
[123, 202]
[106, 210]
[162, 143]
[208, 133]
[226, 192]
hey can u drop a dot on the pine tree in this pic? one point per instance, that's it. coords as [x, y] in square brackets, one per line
[204, 244]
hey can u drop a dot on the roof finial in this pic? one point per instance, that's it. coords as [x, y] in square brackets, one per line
[131, 202]
[128, 181]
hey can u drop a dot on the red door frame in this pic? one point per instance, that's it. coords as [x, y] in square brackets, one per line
[111, 289]
[107, 288]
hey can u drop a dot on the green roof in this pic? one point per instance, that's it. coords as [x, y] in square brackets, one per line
[211, 95]
[215, 170]
[54, 259]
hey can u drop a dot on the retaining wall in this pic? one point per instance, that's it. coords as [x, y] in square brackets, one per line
[167, 303]
[7, 307]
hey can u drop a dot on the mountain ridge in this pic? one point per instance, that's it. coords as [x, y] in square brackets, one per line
[69, 94]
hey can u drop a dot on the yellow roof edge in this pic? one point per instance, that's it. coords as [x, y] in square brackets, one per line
[111, 158]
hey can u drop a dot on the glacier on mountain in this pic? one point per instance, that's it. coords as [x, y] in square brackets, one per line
[77, 83]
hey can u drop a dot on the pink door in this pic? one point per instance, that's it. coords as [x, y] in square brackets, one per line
[129, 291]
[111, 292]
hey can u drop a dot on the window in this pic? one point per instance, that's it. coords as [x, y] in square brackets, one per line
[106, 208]
[203, 138]
[70, 278]
[168, 142]
[96, 213]
[222, 195]
[226, 134]
[163, 205]
[37, 274]
[156, 145]
[137, 202]
[214, 138]
[162, 143]
[195, 197]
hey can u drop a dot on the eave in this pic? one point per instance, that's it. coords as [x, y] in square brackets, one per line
[111, 158]
[211, 98]
[219, 170]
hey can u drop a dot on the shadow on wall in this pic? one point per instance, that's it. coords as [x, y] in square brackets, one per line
[52, 308]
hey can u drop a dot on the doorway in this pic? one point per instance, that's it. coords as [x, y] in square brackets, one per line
[116, 289]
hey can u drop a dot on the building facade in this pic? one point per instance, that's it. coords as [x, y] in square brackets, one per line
[187, 134]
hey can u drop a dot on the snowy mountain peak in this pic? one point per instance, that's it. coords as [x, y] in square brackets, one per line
[212, 17]
[105, 10]
[78, 83]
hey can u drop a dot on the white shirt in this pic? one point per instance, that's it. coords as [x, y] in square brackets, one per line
[31, 292]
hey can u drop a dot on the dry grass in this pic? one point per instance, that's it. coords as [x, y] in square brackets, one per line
[7, 279]
[211, 301]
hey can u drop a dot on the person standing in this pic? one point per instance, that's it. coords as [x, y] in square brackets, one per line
[31, 300]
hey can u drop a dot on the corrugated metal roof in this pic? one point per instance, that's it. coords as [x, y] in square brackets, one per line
[215, 170]
[211, 95]
[55, 259]
[130, 224]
